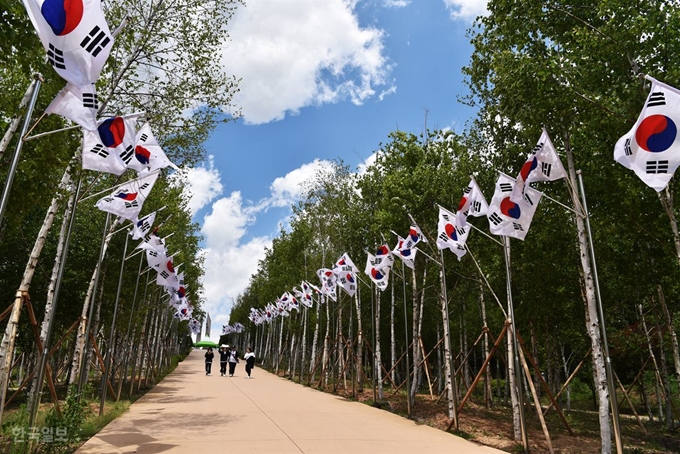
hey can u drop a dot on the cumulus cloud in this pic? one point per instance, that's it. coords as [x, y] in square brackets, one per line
[202, 185]
[296, 54]
[288, 189]
[466, 9]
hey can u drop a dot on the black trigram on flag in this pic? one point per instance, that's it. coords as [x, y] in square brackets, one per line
[126, 155]
[99, 150]
[506, 187]
[538, 147]
[95, 41]
[445, 216]
[657, 167]
[467, 190]
[132, 204]
[90, 100]
[495, 219]
[153, 253]
[658, 98]
[108, 199]
[56, 57]
[144, 186]
[475, 206]
[164, 274]
[143, 137]
[517, 226]
[145, 226]
[528, 200]
[626, 148]
[444, 237]
[546, 167]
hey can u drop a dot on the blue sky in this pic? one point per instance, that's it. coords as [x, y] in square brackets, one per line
[321, 80]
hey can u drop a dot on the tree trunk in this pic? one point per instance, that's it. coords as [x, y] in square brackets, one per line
[487, 380]
[592, 320]
[652, 356]
[664, 379]
[416, 346]
[674, 337]
[377, 362]
[448, 373]
[360, 342]
[315, 340]
[393, 340]
[7, 346]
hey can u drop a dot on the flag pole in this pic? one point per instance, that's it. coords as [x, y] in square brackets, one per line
[82, 379]
[119, 185]
[14, 123]
[20, 143]
[518, 374]
[605, 344]
[487, 282]
[408, 365]
[112, 332]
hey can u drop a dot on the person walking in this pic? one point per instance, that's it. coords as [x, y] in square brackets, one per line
[209, 355]
[250, 360]
[224, 358]
[233, 359]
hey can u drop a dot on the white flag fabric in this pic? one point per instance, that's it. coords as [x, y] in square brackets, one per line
[379, 276]
[142, 227]
[328, 283]
[77, 104]
[451, 236]
[510, 218]
[127, 200]
[651, 148]
[472, 203]
[148, 154]
[543, 164]
[347, 281]
[110, 148]
[75, 36]
[415, 235]
[405, 251]
[383, 258]
[166, 275]
[344, 264]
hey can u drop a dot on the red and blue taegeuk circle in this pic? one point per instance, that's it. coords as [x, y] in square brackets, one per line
[656, 133]
[63, 16]
[510, 208]
[112, 131]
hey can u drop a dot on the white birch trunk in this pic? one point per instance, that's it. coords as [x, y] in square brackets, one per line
[416, 346]
[592, 320]
[315, 340]
[487, 378]
[360, 342]
[448, 373]
[7, 346]
[674, 337]
[393, 340]
[326, 346]
[377, 358]
[76, 362]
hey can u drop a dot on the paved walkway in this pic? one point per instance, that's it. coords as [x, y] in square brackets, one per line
[189, 412]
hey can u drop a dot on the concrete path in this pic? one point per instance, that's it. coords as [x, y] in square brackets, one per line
[189, 412]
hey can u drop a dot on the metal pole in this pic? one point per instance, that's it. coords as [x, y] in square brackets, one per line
[408, 365]
[447, 328]
[42, 365]
[82, 379]
[608, 363]
[129, 328]
[112, 330]
[20, 144]
[515, 347]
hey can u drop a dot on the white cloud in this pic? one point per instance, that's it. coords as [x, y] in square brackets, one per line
[368, 162]
[230, 258]
[395, 3]
[466, 9]
[202, 184]
[288, 189]
[390, 91]
[296, 54]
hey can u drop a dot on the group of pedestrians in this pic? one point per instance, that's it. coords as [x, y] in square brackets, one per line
[229, 356]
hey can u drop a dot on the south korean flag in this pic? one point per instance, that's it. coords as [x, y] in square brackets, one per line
[142, 227]
[111, 147]
[166, 275]
[451, 236]
[75, 36]
[510, 218]
[79, 105]
[472, 203]
[652, 147]
[379, 276]
[406, 252]
[127, 200]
